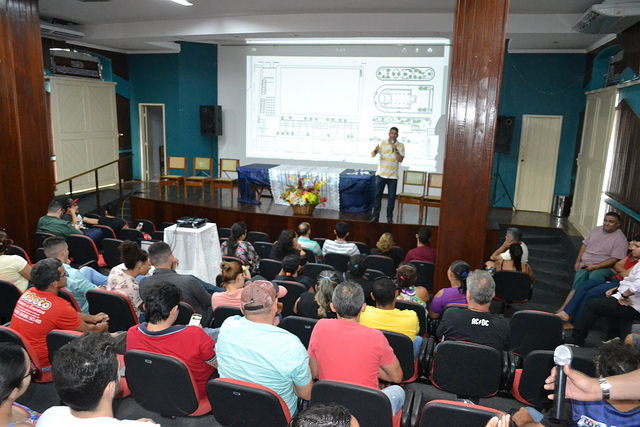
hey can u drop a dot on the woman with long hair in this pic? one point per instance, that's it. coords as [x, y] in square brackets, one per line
[326, 284]
[356, 272]
[13, 268]
[238, 247]
[15, 377]
[456, 294]
[287, 244]
[384, 246]
[515, 263]
[122, 278]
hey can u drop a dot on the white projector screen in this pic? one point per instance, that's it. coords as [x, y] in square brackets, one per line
[337, 108]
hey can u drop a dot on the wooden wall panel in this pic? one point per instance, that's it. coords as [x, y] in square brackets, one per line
[476, 70]
[26, 175]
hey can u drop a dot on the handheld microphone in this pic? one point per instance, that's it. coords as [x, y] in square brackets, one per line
[561, 356]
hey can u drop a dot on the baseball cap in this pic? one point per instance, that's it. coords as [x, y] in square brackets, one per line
[68, 202]
[260, 294]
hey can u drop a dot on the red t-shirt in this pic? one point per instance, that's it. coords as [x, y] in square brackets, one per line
[349, 352]
[39, 312]
[421, 253]
[188, 343]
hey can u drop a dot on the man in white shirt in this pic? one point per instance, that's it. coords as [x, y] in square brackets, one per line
[391, 155]
[340, 245]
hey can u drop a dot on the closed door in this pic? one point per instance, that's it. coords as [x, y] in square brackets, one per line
[537, 162]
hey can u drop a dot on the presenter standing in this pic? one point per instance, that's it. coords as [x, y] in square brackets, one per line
[391, 155]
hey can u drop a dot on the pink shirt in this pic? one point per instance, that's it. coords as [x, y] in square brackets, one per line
[421, 253]
[602, 246]
[223, 298]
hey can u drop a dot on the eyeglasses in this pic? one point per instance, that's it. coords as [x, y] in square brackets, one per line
[33, 372]
[65, 274]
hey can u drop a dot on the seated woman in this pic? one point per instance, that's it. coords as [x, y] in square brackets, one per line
[314, 303]
[456, 294]
[384, 246]
[122, 278]
[406, 277]
[287, 244]
[515, 263]
[232, 281]
[13, 268]
[15, 377]
[238, 247]
[357, 267]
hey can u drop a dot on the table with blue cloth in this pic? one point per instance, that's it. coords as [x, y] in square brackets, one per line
[357, 186]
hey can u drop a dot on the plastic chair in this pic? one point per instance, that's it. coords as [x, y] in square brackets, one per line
[425, 273]
[40, 236]
[398, 251]
[58, 338]
[147, 225]
[420, 312]
[111, 251]
[382, 263]
[83, 251]
[447, 413]
[257, 236]
[338, 261]
[9, 296]
[534, 330]
[106, 230]
[169, 180]
[294, 290]
[513, 286]
[416, 180]
[431, 200]
[309, 255]
[230, 399]
[269, 268]
[66, 295]
[121, 314]
[403, 348]
[202, 175]
[131, 234]
[9, 335]
[221, 313]
[263, 249]
[362, 247]
[224, 232]
[224, 180]
[302, 327]
[372, 274]
[40, 254]
[158, 235]
[313, 269]
[185, 311]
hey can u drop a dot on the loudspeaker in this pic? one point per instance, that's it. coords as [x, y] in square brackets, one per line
[210, 120]
[504, 133]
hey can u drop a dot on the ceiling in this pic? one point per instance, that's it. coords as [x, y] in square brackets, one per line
[153, 26]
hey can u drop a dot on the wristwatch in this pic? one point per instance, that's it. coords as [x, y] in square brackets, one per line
[605, 386]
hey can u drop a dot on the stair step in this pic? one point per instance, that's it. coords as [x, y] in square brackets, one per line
[542, 239]
[548, 251]
[552, 276]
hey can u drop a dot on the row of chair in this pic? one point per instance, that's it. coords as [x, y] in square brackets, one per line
[202, 174]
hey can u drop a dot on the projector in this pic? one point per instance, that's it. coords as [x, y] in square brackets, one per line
[190, 222]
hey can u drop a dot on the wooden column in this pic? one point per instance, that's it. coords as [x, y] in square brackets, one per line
[476, 70]
[26, 172]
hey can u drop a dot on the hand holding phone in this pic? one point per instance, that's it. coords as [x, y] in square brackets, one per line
[195, 319]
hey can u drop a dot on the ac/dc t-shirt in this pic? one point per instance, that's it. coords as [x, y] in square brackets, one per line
[474, 326]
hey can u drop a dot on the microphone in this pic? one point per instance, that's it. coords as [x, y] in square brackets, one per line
[561, 356]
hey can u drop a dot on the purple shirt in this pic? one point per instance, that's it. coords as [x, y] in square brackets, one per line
[602, 246]
[449, 296]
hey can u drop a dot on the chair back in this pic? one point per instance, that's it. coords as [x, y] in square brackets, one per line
[40, 236]
[230, 399]
[362, 247]
[106, 231]
[57, 338]
[160, 383]
[121, 314]
[184, 313]
[372, 274]
[257, 236]
[227, 258]
[309, 255]
[398, 251]
[111, 251]
[221, 313]
[446, 413]
[224, 232]
[453, 372]
[382, 263]
[414, 179]
[313, 269]
[158, 235]
[9, 296]
[294, 290]
[420, 312]
[340, 262]
[131, 234]
[147, 225]
[534, 330]
[66, 295]
[302, 327]
[403, 348]
[17, 250]
[40, 255]
[82, 250]
[369, 406]
[165, 224]
[174, 162]
[228, 166]
[263, 249]
[434, 181]
[425, 273]
[204, 165]
[513, 286]
[269, 268]
[9, 335]
[320, 241]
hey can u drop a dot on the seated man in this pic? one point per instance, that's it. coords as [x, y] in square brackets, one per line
[193, 293]
[304, 238]
[159, 335]
[422, 252]
[53, 223]
[292, 271]
[513, 236]
[340, 245]
[40, 310]
[109, 218]
[70, 207]
[251, 349]
[344, 350]
[387, 317]
[86, 375]
[475, 324]
[78, 281]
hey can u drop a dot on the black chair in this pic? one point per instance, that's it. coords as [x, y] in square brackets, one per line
[66, 295]
[224, 232]
[294, 290]
[382, 263]
[17, 250]
[111, 251]
[420, 312]
[9, 296]
[362, 247]
[227, 258]
[165, 224]
[147, 225]
[300, 327]
[320, 241]
[309, 255]
[425, 273]
[106, 230]
[163, 384]
[269, 268]
[158, 235]
[403, 348]
[340, 262]
[230, 400]
[263, 249]
[83, 251]
[313, 269]
[399, 252]
[40, 236]
[534, 330]
[447, 413]
[221, 313]
[9, 335]
[57, 338]
[121, 314]
[131, 234]
[185, 311]
[513, 286]
[373, 274]
[257, 236]
[40, 255]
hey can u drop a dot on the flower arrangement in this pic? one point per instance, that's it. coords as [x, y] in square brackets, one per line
[303, 192]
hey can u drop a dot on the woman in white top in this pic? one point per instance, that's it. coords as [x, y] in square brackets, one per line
[13, 268]
[122, 278]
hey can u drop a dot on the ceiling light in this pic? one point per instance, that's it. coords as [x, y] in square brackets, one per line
[183, 2]
[351, 41]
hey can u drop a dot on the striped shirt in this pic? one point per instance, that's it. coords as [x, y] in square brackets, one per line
[339, 247]
[388, 167]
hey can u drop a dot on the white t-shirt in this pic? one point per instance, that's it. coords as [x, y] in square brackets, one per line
[506, 255]
[10, 268]
[57, 416]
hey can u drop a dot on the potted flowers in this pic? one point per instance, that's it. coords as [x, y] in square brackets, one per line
[303, 194]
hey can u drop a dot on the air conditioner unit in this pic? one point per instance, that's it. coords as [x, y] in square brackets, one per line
[59, 32]
[611, 17]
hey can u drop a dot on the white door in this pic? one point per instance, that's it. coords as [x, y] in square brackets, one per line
[537, 162]
[152, 140]
[596, 135]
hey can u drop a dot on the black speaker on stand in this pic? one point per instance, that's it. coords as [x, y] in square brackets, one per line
[210, 120]
[504, 137]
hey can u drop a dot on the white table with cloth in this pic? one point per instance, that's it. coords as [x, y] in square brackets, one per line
[282, 176]
[198, 250]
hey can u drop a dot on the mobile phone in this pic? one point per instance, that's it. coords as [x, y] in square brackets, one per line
[140, 225]
[195, 319]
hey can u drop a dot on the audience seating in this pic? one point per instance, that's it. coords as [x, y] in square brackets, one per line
[320, 241]
[9, 296]
[106, 230]
[40, 254]
[258, 236]
[417, 181]
[147, 225]
[177, 163]
[221, 313]
[411, 409]
[224, 180]
[447, 413]
[131, 234]
[57, 338]
[163, 384]
[227, 258]
[66, 295]
[513, 286]
[399, 252]
[425, 273]
[431, 200]
[9, 335]
[382, 263]
[184, 313]
[240, 403]
[158, 235]
[313, 269]
[224, 232]
[403, 348]
[83, 251]
[362, 247]
[309, 255]
[302, 327]
[420, 312]
[338, 261]
[121, 314]
[40, 236]
[111, 251]
[372, 274]
[294, 290]
[263, 249]
[534, 330]
[17, 250]
[165, 224]
[269, 268]
[202, 175]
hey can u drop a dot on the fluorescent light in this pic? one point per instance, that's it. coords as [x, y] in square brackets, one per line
[351, 41]
[183, 2]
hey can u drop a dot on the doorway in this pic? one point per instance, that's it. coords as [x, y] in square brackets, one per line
[152, 141]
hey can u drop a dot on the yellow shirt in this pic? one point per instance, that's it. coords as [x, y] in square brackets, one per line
[388, 167]
[401, 321]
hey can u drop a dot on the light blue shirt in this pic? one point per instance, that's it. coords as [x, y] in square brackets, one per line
[263, 354]
[77, 286]
[312, 245]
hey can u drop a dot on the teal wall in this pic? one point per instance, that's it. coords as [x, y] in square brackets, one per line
[182, 82]
[544, 84]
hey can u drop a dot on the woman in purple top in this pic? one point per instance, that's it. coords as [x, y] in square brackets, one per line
[456, 294]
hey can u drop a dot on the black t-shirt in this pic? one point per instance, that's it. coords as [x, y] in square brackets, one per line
[116, 224]
[462, 324]
[307, 305]
[306, 281]
[367, 287]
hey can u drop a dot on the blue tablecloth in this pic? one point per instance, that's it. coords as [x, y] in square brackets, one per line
[357, 187]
